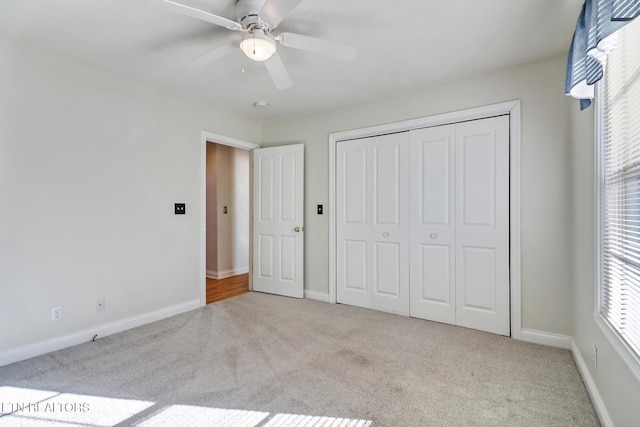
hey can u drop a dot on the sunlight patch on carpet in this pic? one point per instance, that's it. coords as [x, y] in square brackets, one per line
[24, 407]
[183, 415]
[282, 420]
[31, 407]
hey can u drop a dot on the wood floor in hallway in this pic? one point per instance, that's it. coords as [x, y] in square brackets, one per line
[219, 289]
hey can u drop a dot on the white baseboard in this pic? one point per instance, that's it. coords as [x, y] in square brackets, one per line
[546, 338]
[596, 399]
[86, 335]
[318, 296]
[226, 273]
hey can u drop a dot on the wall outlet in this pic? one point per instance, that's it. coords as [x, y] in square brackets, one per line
[594, 355]
[56, 314]
[100, 304]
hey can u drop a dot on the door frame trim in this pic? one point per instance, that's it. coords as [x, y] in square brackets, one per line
[215, 138]
[513, 109]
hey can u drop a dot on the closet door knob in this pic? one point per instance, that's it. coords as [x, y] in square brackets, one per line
[385, 234]
[433, 235]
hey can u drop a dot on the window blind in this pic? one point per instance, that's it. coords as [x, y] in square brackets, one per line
[620, 188]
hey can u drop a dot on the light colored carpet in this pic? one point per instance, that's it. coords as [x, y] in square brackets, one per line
[263, 360]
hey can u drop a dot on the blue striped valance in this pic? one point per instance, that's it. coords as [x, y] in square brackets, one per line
[592, 41]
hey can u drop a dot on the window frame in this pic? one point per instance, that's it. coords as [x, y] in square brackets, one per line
[617, 341]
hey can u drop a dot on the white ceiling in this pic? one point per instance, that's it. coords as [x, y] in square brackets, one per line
[402, 44]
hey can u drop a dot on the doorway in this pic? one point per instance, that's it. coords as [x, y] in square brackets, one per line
[226, 207]
[227, 221]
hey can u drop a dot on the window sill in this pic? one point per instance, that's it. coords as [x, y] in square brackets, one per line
[624, 351]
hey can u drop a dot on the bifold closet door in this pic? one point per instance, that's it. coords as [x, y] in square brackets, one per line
[433, 251]
[423, 223]
[460, 224]
[372, 226]
[482, 225]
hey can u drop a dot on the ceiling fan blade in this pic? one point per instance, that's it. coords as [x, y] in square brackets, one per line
[199, 14]
[278, 72]
[213, 55]
[323, 47]
[274, 11]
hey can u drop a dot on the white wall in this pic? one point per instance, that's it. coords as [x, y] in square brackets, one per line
[546, 175]
[617, 386]
[241, 209]
[90, 167]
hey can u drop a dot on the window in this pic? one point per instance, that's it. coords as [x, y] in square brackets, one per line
[619, 151]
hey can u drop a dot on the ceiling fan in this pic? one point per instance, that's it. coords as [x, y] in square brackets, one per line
[257, 20]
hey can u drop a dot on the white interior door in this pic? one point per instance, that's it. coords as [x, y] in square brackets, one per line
[373, 223]
[482, 225]
[278, 233]
[432, 203]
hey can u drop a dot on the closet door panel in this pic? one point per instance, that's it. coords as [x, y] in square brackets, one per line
[386, 182]
[482, 225]
[432, 252]
[355, 270]
[354, 172]
[477, 284]
[390, 228]
[352, 225]
[387, 278]
[478, 180]
[436, 276]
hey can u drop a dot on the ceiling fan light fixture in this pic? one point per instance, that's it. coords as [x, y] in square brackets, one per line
[258, 46]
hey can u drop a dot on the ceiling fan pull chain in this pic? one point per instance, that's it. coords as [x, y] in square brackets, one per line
[242, 61]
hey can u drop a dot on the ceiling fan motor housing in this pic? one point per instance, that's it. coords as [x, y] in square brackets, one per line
[247, 12]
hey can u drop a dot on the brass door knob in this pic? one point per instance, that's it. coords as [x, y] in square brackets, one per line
[297, 229]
